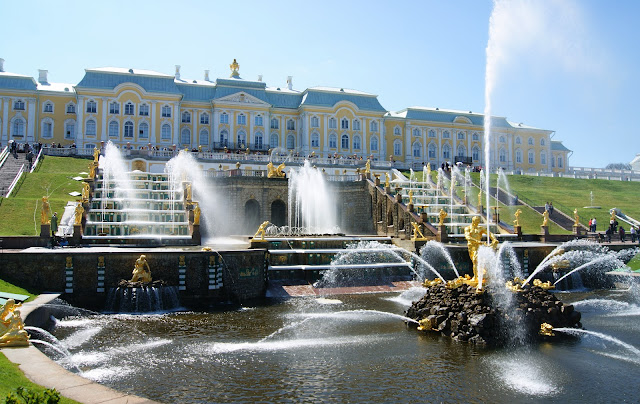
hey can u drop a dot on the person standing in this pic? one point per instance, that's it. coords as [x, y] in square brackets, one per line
[633, 234]
[54, 224]
[594, 223]
[550, 208]
[621, 233]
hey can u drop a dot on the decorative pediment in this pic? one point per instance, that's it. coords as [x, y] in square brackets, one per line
[462, 119]
[242, 98]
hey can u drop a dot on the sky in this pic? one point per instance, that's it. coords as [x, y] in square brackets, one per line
[565, 65]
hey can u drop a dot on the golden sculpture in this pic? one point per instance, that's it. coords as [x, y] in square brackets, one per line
[417, 233]
[515, 285]
[367, 167]
[86, 190]
[92, 169]
[261, 231]
[428, 172]
[275, 172]
[45, 212]
[517, 215]
[386, 181]
[546, 329]
[410, 197]
[196, 213]
[234, 69]
[443, 215]
[427, 283]
[188, 194]
[473, 234]
[12, 331]
[576, 217]
[141, 270]
[206, 249]
[78, 214]
[96, 154]
[545, 218]
[544, 285]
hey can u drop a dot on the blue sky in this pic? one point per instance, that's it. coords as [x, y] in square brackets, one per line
[569, 66]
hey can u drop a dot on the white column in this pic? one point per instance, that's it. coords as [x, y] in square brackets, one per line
[250, 117]
[215, 115]
[194, 139]
[5, 120]
[31, 120]
[176, 124]
[382, 145]
[364, 125]
[153, 136]
[104, 136]
[232, 126]
[325, 120]
[79, 126]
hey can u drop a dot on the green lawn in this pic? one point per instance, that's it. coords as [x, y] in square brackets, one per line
[9, 288]
[20, 214]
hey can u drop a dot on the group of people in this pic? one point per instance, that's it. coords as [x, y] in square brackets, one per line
[548, 206]
[29, 150]
[615, 227]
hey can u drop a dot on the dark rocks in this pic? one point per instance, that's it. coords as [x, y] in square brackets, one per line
[486, 319]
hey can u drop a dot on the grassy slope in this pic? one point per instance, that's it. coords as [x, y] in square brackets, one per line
[9, 288]
[20, 214]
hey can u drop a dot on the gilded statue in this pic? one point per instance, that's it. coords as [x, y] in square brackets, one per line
[261, 231]
[12, 331]
[234, 69]
[188, 194]
[386, 181]
[196, 214]
[576, 217]
[85, 192]
[275, 172]
[367, 167]
[141, 270]
[79, 212]
[517, 215]
[45, 212]
[96, 154]
[443, 215]
[92, 169]
[473, 234]
[546, 329]
[428, 172]
[545, 218]
[410, 197]
[417, 233]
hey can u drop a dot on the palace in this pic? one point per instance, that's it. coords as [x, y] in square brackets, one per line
[141, 109]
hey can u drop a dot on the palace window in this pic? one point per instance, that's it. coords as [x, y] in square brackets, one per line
[224, 138]
[356, 143]
[373, 127]
[333, 123]
[114, 108]
[291, 125]
[397, 148]
[224, 118]
[315, 122]
[344, 123]
[417, 149]
[185, 136]
[446, 134]
[275, 124]
[203, 139]
[47, 130]
[356, 124]
[374, 143]
[143, 110]
[475, 136]
[128, 130]
[543, 158]
[542, 142]
[432, 151]
[48, 107]
[502, 155]
[273, 140]
[92, 107]
[291, 142]
[242, 139]
[18, 127]
[129, 109]
[18, 105]
[416, 132]
[166, 111]
[397, 131]
[258, 120]
[242, 119]
[315, 140]
[502, 139]
[518, 156]
[553, 162]
[518, 140]
[333, 141]
[204, 119]
[432, 133]
[344, 142]
[532, 157]
[70, 129]
[530, 141]
[90, 127]
[71, 108]
[559, 161]
[165, 132]
[186, 117]
[460, 135]
[475, 153]
[461, 151]
[257, 140]
[114, 128]
[143, 130]
[446, 152]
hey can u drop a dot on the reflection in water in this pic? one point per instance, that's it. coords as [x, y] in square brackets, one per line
[352, 350]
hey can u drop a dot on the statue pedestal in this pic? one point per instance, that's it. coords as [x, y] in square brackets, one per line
[377, 179]
[196, 237]
[257, 243]
[410, 207]
[544, 233]
[45, 231]
[443, 236]
[518, 231]
[77, 234]
[398, 197]
[387, 190]
[577, 230]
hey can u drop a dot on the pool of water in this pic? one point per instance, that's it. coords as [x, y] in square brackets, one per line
[353, 348]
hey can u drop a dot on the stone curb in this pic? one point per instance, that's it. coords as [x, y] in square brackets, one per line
[41, 370]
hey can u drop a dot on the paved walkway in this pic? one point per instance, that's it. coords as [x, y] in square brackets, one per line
[38, 368]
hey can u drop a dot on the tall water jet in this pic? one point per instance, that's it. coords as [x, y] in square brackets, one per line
[312, 206]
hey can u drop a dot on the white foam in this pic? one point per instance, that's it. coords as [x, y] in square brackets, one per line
[281, 345]
[104, 374]
[80, 337]
[324, 300]
[524, 376]
[407, 297]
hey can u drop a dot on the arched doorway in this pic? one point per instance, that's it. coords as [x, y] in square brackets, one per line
[278, 213]
[251, 215]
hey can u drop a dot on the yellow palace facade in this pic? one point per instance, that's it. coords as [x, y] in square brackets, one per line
[139, 109]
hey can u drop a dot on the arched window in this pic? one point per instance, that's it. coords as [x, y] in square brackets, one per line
[90, 128]
[70, 129]
[518, 156]
[397, 131]
[559, 161]
[373, 126]
[291, 142]
[224, 118]
[432, 151]
[543, 158]
[143, 130]
[553, 162]
[291, 125]
[518, 140]
[475, 136]
[315, 140]
[374, 143]
[242, 119]
[417, 149]
[344, 142]
[475, 153]
[530, 141]
[203, 139]
[185, 136]
[461, 151]
[242, 139]
[18, 127]
[48, 107]
[460, 135]
[344, 123]
[542, 142]
[114, 129]
[258, 120]
[397, 148]
[502, 155]
[257, 140]
[356, 124]
[128, 130]
[129, 108]
[333, 123]
[446, 134]
[432, 133]
[224, 138]
[92, 107]
[165, 132]
[502, 139]
[446, 151]
[416, 132]
[333, 141]
[47, 128]
[315, 122]
[356, 142]
[273, 140]
[532, 157]
[186, 117]
[204, 119]
[166, 111]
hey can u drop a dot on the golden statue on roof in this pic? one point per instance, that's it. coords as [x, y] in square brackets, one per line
[234, 69]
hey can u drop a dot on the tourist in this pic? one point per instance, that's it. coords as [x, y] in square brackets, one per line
[594, 222]
[550, 208]
[609, 232]
[591, 225]
[621, 233]
[546, 207]
[633, 234]
[30, 158]
[54, 228]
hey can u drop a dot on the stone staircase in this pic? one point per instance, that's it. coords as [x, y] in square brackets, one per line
[9, 170]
